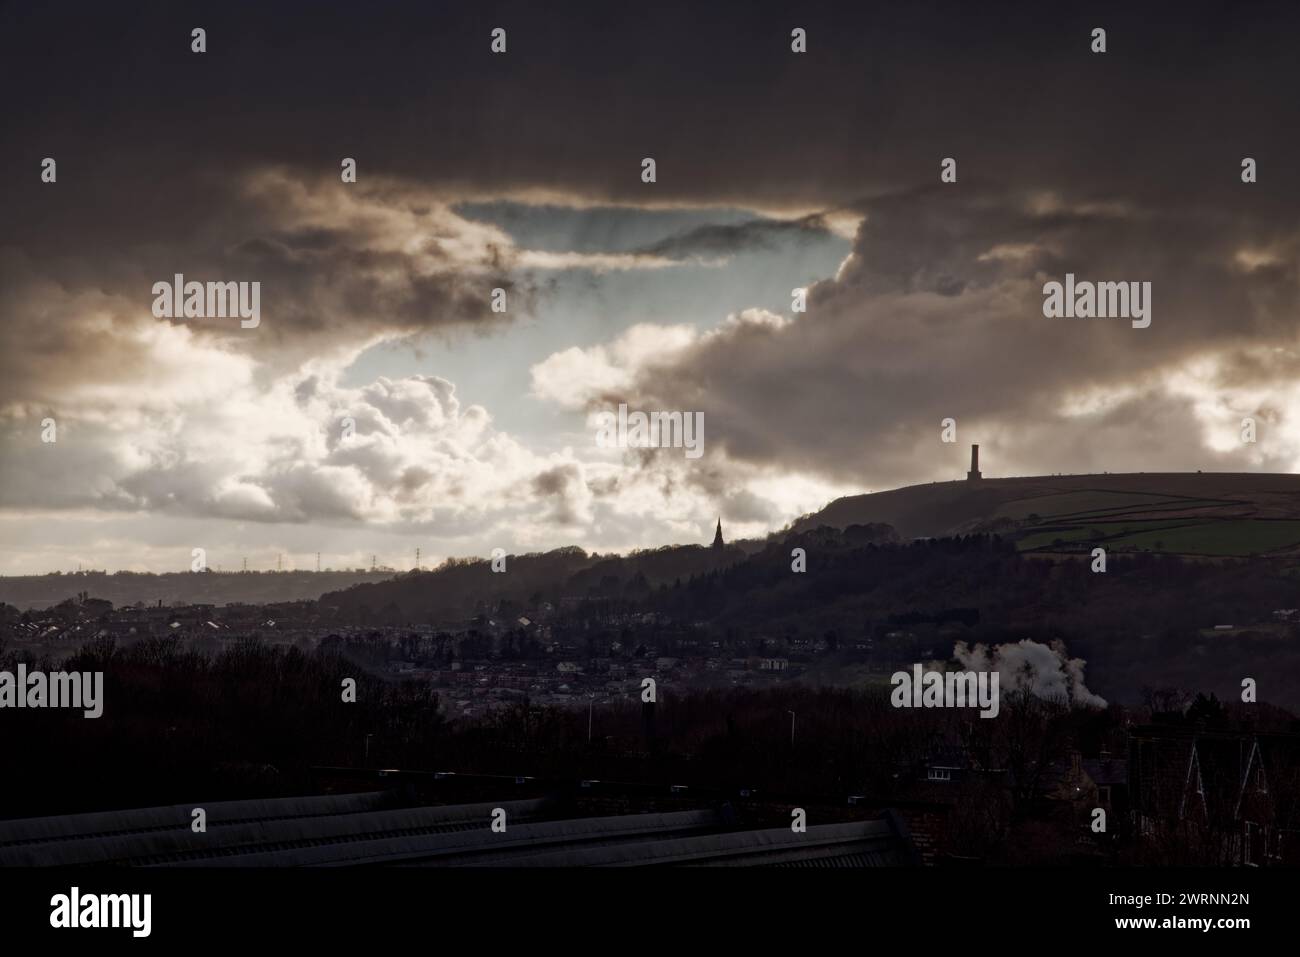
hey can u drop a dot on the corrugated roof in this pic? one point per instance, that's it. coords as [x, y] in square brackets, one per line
[361, 829]
[234, 829]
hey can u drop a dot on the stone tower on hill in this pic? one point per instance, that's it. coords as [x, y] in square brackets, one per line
[717, 536]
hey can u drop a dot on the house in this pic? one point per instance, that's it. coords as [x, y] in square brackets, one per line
[1108, 776]
[1091, 783]
[946, 763]
[1268, 806]
[1216, 797]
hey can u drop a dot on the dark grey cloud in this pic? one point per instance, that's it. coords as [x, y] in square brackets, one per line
[713, 92]
[564, 490]
[938, 313]
[1120, 166]
[154, 141]
[337, 269]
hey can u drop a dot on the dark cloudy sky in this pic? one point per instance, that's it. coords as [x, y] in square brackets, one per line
[474, 430]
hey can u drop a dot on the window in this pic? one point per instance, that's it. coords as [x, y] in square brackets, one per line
[939, 774]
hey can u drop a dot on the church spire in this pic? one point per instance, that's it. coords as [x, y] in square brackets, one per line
[717, 536]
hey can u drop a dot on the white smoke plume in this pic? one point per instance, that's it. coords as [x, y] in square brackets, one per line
[1045, 670]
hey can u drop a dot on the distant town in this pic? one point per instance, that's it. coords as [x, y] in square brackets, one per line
[563, 653]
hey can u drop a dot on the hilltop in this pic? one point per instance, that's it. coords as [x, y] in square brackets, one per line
[1187, 513]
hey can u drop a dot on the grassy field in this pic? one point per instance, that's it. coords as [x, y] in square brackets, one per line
[1101, 532]
[1095, 504]
[1241, 538]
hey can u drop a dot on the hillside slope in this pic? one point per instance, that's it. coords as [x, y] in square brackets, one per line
[1199, 513]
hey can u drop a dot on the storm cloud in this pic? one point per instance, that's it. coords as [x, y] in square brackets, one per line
[224, 166]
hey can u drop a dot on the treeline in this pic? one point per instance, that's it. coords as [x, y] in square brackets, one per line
[460, 588]
[179, 725]
[848, 578]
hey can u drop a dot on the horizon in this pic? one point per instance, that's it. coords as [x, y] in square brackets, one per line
[432, 562]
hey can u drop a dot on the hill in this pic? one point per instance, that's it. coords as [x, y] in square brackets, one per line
[460, 588]
[1186, 513]
[179, 588]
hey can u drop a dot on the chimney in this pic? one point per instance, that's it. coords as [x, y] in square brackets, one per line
[974, 474]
